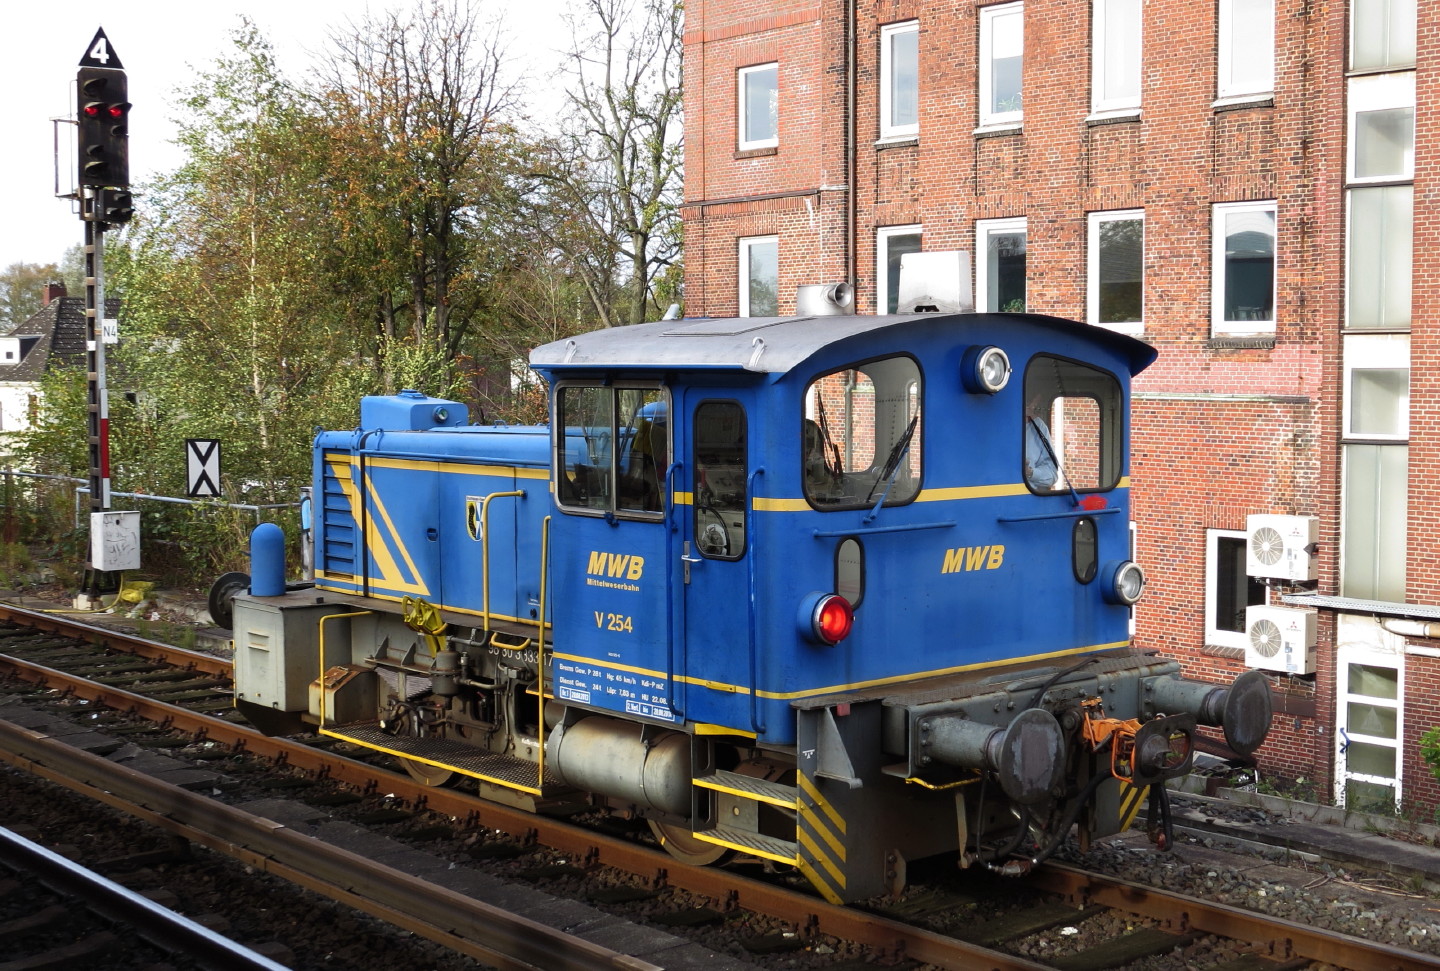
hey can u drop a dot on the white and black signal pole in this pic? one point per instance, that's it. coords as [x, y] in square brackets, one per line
[103, 170]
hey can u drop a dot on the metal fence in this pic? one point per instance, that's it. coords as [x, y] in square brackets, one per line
[182, 540]
[81, 487]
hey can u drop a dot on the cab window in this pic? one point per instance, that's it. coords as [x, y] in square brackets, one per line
[860, 435]
[720, 479]
[1073, 426]
[613, 449]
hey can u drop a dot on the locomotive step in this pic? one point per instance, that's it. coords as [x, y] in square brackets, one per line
[502, 770]
[748, 787]
[768, 847]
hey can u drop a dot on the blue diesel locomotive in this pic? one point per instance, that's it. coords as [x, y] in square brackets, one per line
[836, 591]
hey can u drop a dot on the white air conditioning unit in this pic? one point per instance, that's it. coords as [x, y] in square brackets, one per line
[1278, 546]
[1280, 639]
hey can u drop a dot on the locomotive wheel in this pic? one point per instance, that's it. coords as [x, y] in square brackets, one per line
[679, 843]
[427, 774]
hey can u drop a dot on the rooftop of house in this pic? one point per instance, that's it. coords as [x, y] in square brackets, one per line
[60, 335]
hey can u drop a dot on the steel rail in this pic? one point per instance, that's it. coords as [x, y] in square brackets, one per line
[1282, 938]
[472, 927]
[146, 918]
[807, 913]
[56, 623]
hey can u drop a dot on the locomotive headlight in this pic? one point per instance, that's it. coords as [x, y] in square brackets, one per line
[985, 370]
[825, 618]
[1125, 582]
[442, 415]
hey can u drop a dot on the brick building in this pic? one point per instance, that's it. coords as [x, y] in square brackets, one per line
[1235, 183]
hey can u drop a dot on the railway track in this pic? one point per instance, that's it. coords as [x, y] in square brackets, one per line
[58, 913]
[1160, 922]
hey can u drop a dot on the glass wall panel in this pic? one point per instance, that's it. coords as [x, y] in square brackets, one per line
[1362, 758]
[1382, 34]
[1367, 719]
[1379, 401]
[1381, 232]
[1374, 681]
[1385, 143]
[1374, 543]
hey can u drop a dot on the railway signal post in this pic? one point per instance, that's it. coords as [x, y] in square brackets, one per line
[102, 115]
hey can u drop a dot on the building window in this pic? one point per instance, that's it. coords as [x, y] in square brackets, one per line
[1243, 268]
[1000, 265]
[1247, 49]
[1228, 589]
[1115, 57]
[900, 80]
[760, 276]
[759, 98]
[891, 244]
[1382, 34]
[1375, 518]
[1377, 387]
[1380, 248]
[1382, 127]
[1116, 292]
[1002, 55]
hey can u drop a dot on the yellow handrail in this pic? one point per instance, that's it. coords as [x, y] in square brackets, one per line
[540, 645]
[485, 551]
[323, 669]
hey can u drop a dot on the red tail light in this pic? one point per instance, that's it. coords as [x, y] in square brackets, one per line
[833, 618]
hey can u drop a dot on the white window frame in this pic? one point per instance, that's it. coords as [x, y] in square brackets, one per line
[1380, 92]
[1364, 352]
[741, 79]
[744, 245]
[888, 34]
[988, 16]
[1371, 351]
[1218, 324]
[1215, 636]
[984, 228]
[1092, 290]
[883, 236]
[1227, 88]
[1103, 57]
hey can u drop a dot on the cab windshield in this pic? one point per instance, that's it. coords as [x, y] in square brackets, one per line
[614, 449]
[861, 435]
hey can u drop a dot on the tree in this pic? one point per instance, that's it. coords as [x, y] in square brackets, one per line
[414, 106]
[227, 331]
[72, 270]
[22, 291]
[609, 191]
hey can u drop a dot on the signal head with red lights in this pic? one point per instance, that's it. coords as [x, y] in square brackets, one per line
[103, 116]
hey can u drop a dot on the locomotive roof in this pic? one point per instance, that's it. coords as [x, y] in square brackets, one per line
[775, 345]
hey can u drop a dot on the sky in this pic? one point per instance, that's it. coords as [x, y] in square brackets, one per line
[161, 44]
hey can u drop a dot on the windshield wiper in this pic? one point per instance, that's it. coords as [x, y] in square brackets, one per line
[892, 465]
